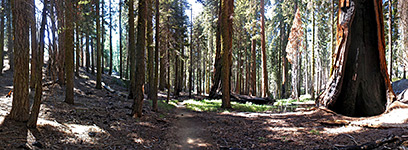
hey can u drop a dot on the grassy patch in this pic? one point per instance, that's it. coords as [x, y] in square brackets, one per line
[164, 106]
[215, 106]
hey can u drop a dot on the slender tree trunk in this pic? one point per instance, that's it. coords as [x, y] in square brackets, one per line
[3, 4]
[87, 57]
[253, 66]
[102, 36]
[35, 110]
[140, 57]
[227, 8]
[61, 40]
[92, 57]
[312, 89]
[132, 49]
[120, 41]
[98, 48]
[77, 49]
[10, 44]
[217, 64]
[156, 57]
[150, 55]
[190, 77]
[33, 29]
[390, 37]
[110, 39]
[265, 87]
[20, 105]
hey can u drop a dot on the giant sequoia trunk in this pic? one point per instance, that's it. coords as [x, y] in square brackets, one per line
[359, 85]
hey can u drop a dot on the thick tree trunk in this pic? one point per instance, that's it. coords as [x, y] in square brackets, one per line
[20, 104]
[98, 49]
[360, 85]
[227, 10]
[265, 87]
[69, 53]
[140, 59]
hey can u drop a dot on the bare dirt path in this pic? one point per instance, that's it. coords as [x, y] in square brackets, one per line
[190, 130]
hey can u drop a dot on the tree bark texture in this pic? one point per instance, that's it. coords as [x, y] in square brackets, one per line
[21, 23]
[215, 87]
[253, 70]
[110, 39]
[98, 49]
[360, 85]
[227, 8]
[61, 39]
[34, 53]
[2, 14]
[69, 52]
[265, 87]
[140, 59]
[150, 55]
[132, 48]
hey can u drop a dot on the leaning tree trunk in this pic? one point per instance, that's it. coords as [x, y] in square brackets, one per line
[360, 85]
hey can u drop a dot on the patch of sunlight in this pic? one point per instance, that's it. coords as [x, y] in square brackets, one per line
[8, 87]
[85, 133]
[197, 142]
[289, 129]
[343, 129]
[396, 118]
[83, 76]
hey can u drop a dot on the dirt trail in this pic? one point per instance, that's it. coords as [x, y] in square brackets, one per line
[190, 130]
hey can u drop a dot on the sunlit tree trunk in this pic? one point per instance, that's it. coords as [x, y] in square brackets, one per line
[227, 10]
[360, 85]
[265, 86]
[20, 105]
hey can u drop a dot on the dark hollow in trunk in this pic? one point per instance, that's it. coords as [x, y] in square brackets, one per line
[360, 85]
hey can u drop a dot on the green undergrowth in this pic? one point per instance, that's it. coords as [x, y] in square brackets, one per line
[215, 106]
[162, 105]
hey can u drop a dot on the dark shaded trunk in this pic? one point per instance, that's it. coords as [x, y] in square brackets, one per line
[360, 85]
[140, 60]
[20, 105]
[252, 90]
[69, 53]
[10, 41]
[150, 55]
[265, 87]
[132, 48]
[110, 38]
[77, 49]
[87, 56]
[98, 49]
[156, 58]
[3, 4]
[61, 39]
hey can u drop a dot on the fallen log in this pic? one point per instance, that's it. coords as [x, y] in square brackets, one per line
[370, 145]
[245, 98]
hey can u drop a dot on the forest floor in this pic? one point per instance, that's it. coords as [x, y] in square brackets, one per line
[100, 120]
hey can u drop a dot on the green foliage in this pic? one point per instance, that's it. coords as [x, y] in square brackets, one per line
[315, 132]
[215, 106]
[166, 107]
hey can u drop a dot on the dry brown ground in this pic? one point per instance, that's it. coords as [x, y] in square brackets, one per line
[100, 120]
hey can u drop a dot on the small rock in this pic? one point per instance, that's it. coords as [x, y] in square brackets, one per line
[38, 144]
[92, 134]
